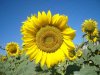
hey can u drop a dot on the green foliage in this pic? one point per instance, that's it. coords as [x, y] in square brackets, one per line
[90, 61]
[17, 66]
[87, 70]
[87, 64]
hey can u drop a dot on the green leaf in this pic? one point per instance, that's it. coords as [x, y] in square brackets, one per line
[93, 49]
[87, 70]
[90, 45]
[85, 54]
[76, 73]
[96, 59]
[80, 61]
[86, 51]
[98, 47]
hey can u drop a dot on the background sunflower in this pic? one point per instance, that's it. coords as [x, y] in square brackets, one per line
[90, 27]
[12, 49]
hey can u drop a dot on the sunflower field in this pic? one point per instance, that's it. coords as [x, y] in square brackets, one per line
[48, 48]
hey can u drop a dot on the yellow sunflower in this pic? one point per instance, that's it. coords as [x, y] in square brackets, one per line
[3, 58]
[71, 55]
[47, 39]
[12, 49]
[89, 26]
[79, 53]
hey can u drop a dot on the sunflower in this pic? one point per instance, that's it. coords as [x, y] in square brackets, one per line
[71, 55]
[47, 39]
[89, 26]
[3, 58]
[79, 53]
[91, 30]
[12, 49]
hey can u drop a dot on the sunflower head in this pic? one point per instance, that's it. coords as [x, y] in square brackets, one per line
[3, 58]
[47, 38]
[71, 55]
[12, 49]
[89, 26]
[79, 53]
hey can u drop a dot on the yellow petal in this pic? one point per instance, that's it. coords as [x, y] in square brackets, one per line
[60, 55]
[70, 44]
[38, 56]
[36, 21]
[49, 16]
[53, 59]
[28, 38]
[64, 48]
[27, 45]
[43, 59]
[30, 24]
[33, 54]
[58, 21]
[55, 18]
[26, 29]
[45, 19]
[44, 15]
[39, 15]
[69, 32]
[48, 60]
[66, 37]
[40, 19]
[31, 50]
[64, 20]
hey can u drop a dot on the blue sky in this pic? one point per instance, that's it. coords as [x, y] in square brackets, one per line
[14, 12]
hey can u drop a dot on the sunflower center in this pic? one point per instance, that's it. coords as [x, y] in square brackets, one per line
[13, 50]
[49, 39]
[72, 53]
[89, 28]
